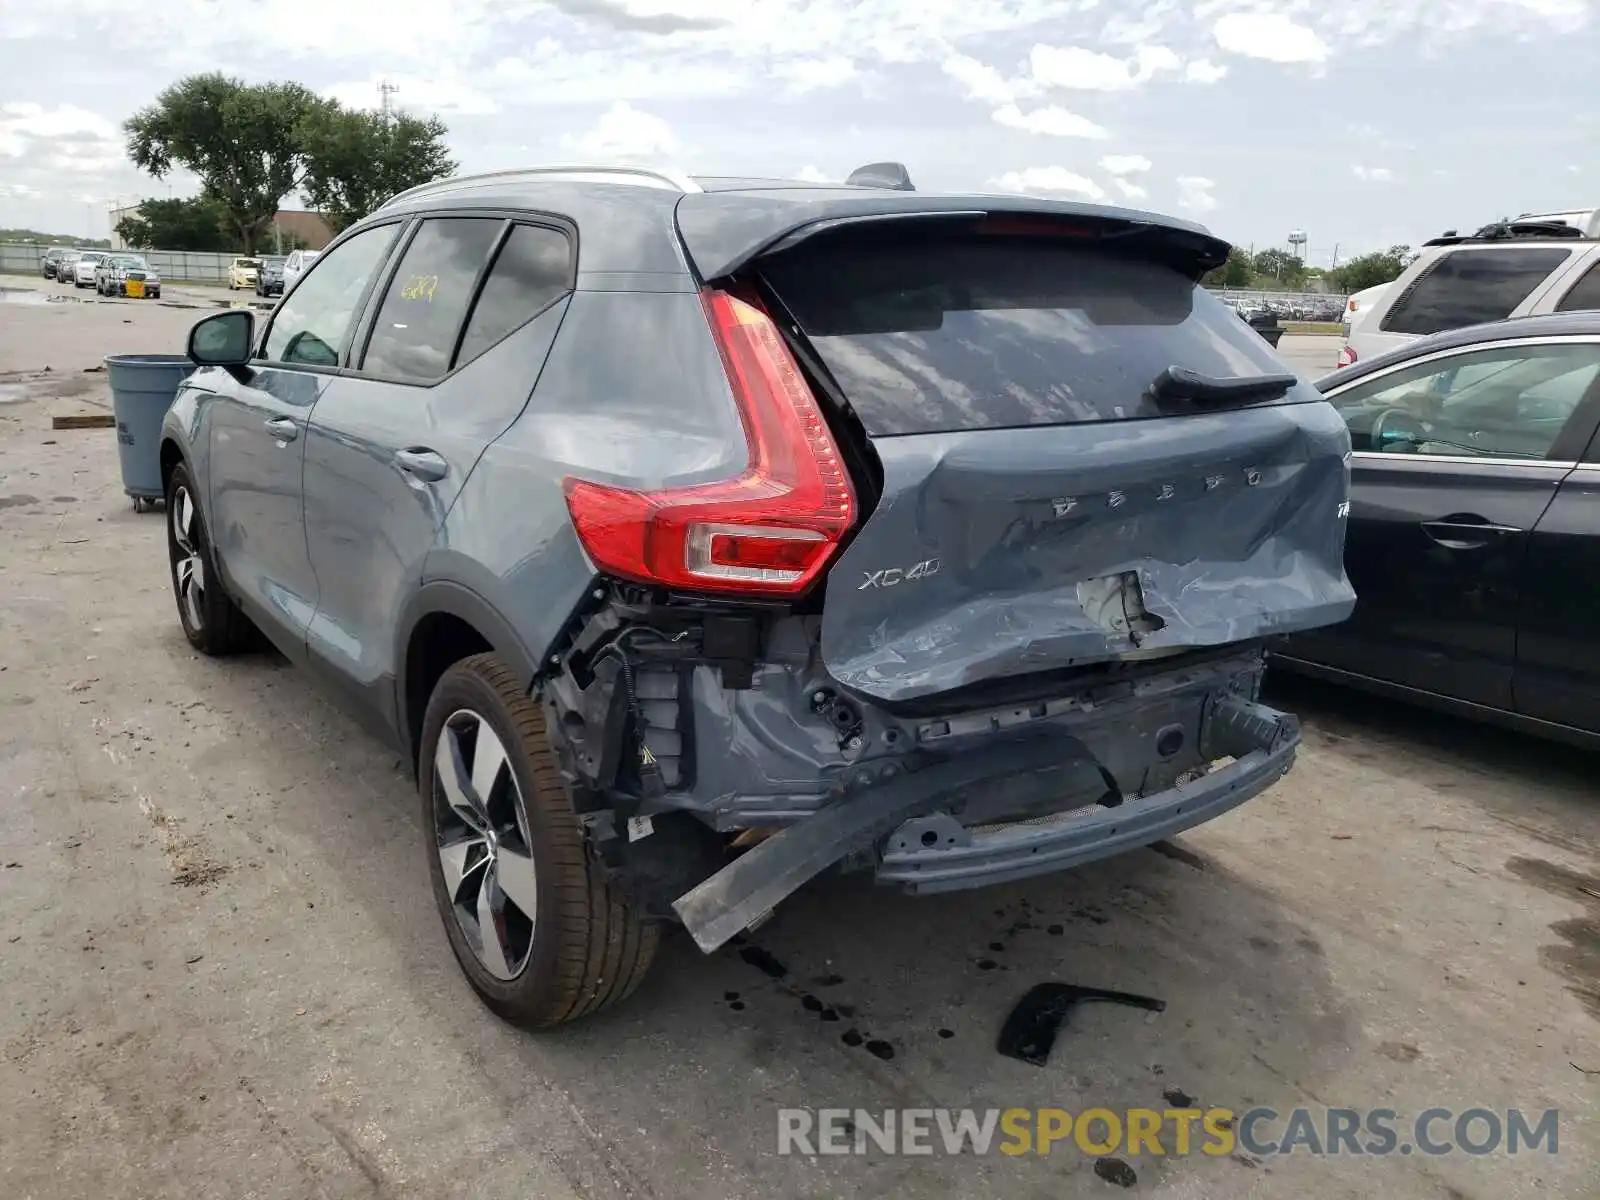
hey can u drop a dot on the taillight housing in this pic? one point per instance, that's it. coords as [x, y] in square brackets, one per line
[1347, 358]
[773, 529]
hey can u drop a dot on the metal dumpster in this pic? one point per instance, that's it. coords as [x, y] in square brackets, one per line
[142, 389]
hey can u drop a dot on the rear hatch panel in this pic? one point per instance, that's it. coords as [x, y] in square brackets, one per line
[981, 559]
[1043, 506]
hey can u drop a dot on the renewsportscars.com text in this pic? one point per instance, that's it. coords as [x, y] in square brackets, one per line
[1177, 1132]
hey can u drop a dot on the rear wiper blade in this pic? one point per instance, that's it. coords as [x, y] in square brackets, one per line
[1180, 383]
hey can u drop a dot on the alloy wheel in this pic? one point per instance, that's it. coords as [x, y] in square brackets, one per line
[481, 828]
[189, 566]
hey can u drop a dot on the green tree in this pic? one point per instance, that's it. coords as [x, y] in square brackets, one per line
[240, 139]
[356, 160]
[1284, 268]
[1234, 273]
[195, 224]
[1369, 270]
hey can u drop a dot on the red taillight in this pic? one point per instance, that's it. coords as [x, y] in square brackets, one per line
[1347, 358]
[771, 530]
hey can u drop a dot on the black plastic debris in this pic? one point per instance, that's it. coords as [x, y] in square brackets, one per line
[1030, 1030]
[1115, 1171]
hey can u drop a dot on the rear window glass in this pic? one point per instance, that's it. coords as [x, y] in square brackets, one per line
[533, 268]
[1585, 294]
[1470, 287]
[976, 334]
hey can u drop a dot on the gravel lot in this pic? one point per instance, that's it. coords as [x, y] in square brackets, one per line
[224, 974]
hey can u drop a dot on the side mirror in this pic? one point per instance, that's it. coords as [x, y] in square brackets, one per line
[223, 339]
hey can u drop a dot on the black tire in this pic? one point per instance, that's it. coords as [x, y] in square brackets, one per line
[212, 622]
[588, 948]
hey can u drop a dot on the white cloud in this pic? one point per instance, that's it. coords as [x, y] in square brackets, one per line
[1194, 193]
[1125, 164]
[1269, 35]
[1089, 70]
[809, 74]
[1130, 191]
[1049, 181]
[20, 121]
[625, 132]
[810, 174]
[986, 84]
[1203, 70]
[1373, 174]
[1051, 121]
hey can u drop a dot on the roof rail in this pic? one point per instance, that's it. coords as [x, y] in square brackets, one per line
[1509, 231]
[638, 176]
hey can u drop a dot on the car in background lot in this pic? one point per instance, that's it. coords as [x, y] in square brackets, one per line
[51, 260]
[242, 273]
[269, 279]
[84, 268]
[627, 626]
[127, 275]
[1474, 533]
[67, 266]
[298, 262]
[1505, 270]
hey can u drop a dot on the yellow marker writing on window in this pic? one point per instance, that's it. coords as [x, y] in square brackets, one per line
[419, 287]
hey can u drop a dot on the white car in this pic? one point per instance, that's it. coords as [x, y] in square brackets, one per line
[83, 270]
[1458, 281]
[1357, 304]
[296, 264]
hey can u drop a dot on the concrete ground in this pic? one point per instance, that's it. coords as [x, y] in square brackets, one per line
[224, 974]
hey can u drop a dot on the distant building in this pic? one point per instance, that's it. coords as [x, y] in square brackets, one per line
[309, 227]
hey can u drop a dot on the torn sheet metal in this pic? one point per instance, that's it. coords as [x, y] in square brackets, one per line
[984, 551]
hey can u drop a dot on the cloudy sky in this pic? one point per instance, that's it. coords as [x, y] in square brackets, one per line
[1362, 122]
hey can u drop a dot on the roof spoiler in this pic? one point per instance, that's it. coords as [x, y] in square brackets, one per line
[891, 176]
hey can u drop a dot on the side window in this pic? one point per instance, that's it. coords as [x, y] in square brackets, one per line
[426, 303]
[532, 270]
[1469, 287]
[1583, 294]
[1509, 402]
[309, 326]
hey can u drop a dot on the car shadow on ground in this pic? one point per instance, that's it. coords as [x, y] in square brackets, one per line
[1490, 766]
[851, 995]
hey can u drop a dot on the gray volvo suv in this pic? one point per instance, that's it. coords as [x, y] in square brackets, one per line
[694, 537]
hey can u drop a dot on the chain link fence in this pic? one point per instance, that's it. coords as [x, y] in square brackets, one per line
[174, 266]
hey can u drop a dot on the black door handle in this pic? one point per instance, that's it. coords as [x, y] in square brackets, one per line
[1467, 532]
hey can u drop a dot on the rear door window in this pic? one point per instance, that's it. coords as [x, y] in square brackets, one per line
[414, 336]
[1585, 294]
[1470, 287]
[1005, 332]
[1502, 402]
[533, 269]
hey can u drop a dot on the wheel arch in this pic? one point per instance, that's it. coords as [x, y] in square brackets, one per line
[443, 623]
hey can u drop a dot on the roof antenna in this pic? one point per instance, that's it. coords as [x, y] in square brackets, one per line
[889, 175]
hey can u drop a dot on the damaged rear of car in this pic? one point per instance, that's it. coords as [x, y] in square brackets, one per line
[1018, 503]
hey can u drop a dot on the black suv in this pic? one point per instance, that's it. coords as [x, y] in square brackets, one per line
[693, 537]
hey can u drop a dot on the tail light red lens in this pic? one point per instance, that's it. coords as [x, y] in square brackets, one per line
[770, 531]
[1347, 358]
